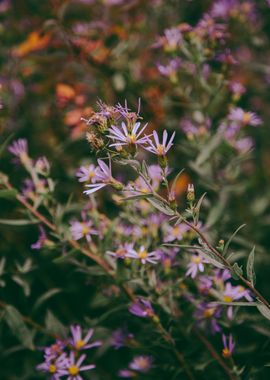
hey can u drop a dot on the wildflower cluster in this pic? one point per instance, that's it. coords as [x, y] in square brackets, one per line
[65, 358]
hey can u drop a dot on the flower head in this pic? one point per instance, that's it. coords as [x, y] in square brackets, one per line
[195, 266]
[160, 148]
[144, 256]
[228, 346]
[120, 338]
[127, 136]
[86, 173]
[103, 177]
[238, 115]
[82, 229]
[55, 367]
[19, 148]
[80, 343]
[141, 364]
[74, 367]
[122, 251]
[142, 308]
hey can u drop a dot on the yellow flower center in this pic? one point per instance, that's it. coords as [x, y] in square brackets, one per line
[227, 299]
[120, 252]
[79, 344]
[52, 368]
[226, 352]
[175, 231]
[160, 150]
[91, 175]
[196, 259]
[132, 138]
[142, 254]
[85, 229]
[73, 370]
[246, 117]
[208, 313]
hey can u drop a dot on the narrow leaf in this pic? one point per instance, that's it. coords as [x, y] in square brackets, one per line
[17, 325]
[250, 267]
[161, 206]
[231, 238]
[8, 194]
[264, 310]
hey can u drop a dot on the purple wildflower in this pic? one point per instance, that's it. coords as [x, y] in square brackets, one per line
[126, 136]
[19, 148]
[121, 338]
[141, 364]
[86, 173]
[122, 251]
[56, 367]
[82, 229]
[228, 346]
[74, 367]
[144, 256]
[170, 69]
[195, 266]
[172, 39]
[41, 239]
[158, 148]
[79, 343]
[103, 177]
[234, 293]
[206, 316]
[142, 308]
[175, 232]
[238, 115]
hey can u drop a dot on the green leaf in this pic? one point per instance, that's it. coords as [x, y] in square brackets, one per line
[17, 325]
[236, 271]
[264, 310]
[250, 267]
[5, 143]
[136, 197]
[50, 293]
[18, 222]
[8, 194]
[161, 206]
[209, 149]
[231, 238]
[53, 325]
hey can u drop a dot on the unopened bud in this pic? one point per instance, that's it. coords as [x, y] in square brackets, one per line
[190, 192]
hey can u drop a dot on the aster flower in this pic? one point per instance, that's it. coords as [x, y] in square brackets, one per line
[195, 266]
[86, 173]
[74, 367]
[122, 251]
[127, 136]
[55, 367]
[206, 317]
[79, 343]
[172, 39]
[238, 115]
[55, 350]
[19, 148]
[233, 293]
[82, 229]
[41, 239]
[228, 346]
[222, 8]
[175, 232]
[158, 148]
[170, 69]
[103, 177]
[141, 364]
[142, 308]
[144, 256]
[126, 373]
[121, 338]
